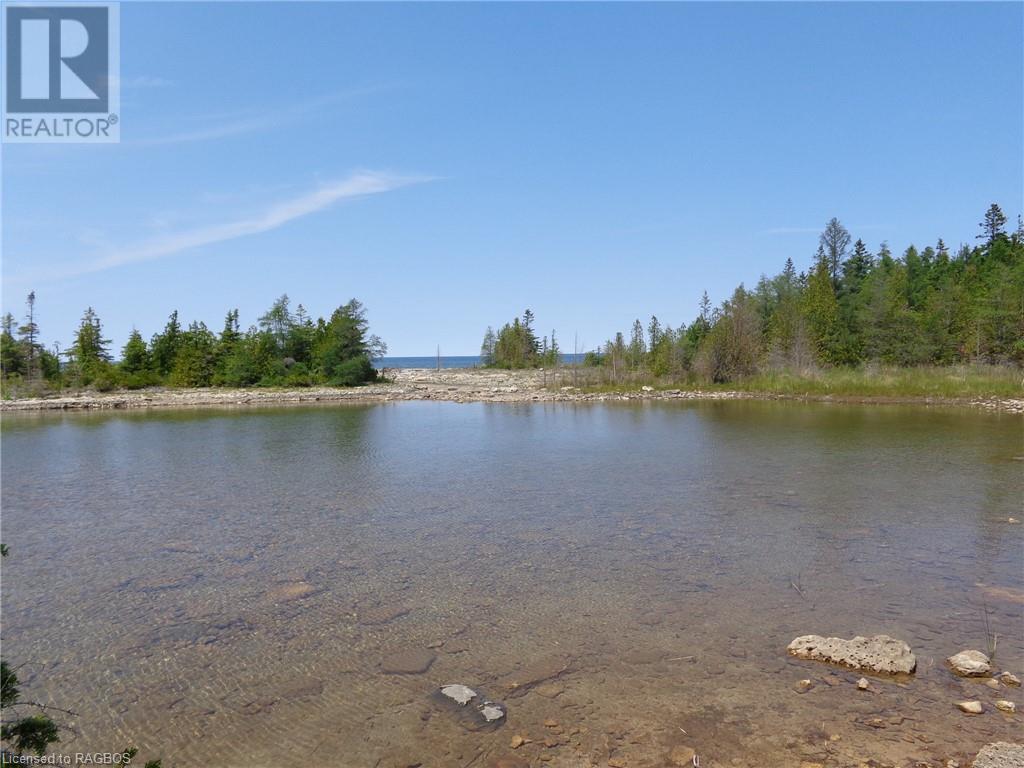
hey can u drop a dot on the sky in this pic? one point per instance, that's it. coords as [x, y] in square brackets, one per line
[450, 165]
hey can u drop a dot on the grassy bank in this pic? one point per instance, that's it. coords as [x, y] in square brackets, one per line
[869, 381]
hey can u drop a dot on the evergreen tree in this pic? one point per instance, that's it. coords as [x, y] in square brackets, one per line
[993, 227]
[164, 346]
[90, 350]
[821, 309]
[487, 348]
[135, 354]
[28, 333]
[833, 243]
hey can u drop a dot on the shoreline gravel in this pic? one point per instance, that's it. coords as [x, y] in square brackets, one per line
[453, 385]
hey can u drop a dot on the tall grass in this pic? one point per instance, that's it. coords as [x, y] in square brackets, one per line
[962, 381]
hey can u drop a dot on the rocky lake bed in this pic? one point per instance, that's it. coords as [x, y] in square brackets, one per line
[644, 584]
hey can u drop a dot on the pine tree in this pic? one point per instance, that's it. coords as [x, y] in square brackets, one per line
[833, 244]
[487, 348]
[164, 346]
[29, 332]
[135, 354]
[822, 312]
[994, 225]
[90, 349]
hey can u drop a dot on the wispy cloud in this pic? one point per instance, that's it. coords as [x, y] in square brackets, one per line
[360, 184]
[242, 123]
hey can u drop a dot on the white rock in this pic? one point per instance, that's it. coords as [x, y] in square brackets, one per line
[1006, 706]
[879, 653]
[970, 707]
[1000, 755]
[1009, 678]
[459, 693]
[491, 712]
[862, 684]
[970, 663]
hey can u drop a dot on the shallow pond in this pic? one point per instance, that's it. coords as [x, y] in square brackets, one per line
[253, 587]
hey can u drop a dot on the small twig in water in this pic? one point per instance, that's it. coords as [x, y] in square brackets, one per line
[682, 658]
[796, 586]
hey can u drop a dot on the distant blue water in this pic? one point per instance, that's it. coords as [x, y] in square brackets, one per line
[453, 361]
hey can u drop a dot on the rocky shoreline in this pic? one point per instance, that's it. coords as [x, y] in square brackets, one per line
[451, 385]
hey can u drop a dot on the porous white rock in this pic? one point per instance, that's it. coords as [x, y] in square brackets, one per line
[1001, 754]
[879, 653]
[970, 663]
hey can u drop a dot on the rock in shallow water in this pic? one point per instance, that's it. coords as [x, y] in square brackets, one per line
[1008, 678]
[970, 707]
[460, 694]
[1000, 755]
[970, 663]
[879, 653]
[482, 714]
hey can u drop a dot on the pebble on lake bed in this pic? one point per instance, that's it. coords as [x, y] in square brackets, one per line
[970, 707]
[1006, 706]
[970, 663]
[862, 684]
[1008, 678]
[491, 711]
[461, 694]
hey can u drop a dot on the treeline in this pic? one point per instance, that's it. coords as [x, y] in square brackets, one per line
[924, 307]
[284, 348]
[516, 346]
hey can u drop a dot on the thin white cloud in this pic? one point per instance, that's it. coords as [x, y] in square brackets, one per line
[250, 123]
[360, 184]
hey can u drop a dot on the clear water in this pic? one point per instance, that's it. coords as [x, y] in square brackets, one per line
[223, 587]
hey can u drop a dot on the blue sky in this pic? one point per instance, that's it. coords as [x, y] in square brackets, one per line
[452, 164]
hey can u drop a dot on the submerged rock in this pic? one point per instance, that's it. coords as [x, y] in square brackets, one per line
[970, 663]
[491, 711]
[879, 653]
[460, 694]
[1006, 706]
[970, 707]
[484, 714]
[1008, 678]
[1000, 755]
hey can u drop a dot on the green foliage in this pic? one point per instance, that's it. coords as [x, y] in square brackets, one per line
[89, 354]
[284, 349]
[516, 346]
[31, 734]
[135, 354]
[925, 308]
